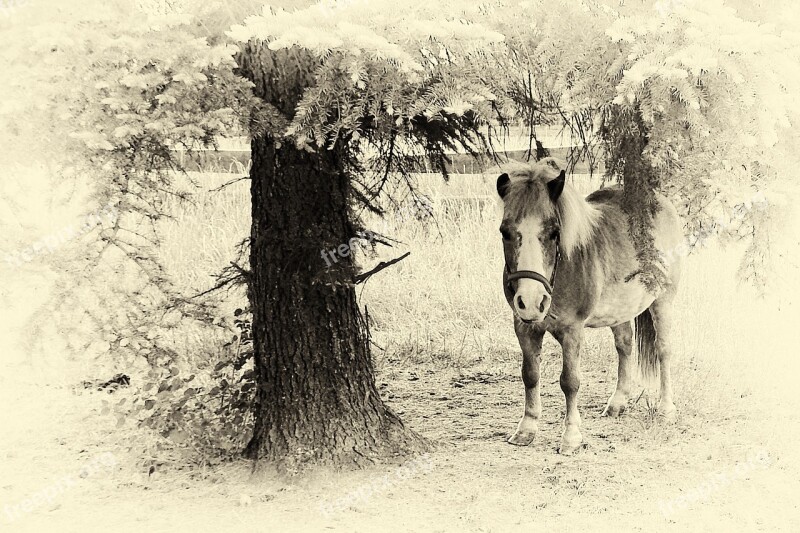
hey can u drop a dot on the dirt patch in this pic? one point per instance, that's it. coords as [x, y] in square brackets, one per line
[474, 481]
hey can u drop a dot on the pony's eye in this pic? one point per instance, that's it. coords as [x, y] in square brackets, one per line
[506, 235]
[554, 235]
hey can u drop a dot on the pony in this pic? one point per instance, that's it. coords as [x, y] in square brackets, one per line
[570, 263]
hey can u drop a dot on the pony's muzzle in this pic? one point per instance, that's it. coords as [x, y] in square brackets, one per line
[531, 301]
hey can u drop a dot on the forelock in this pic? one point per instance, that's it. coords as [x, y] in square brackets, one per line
[527, 193]
[527, 196]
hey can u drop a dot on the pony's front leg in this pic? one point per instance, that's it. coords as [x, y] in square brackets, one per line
[571, 339]
[530, 340]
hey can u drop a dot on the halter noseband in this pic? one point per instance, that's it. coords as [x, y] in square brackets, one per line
[530, 274]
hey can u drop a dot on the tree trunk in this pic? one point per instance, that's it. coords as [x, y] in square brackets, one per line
[317, 401]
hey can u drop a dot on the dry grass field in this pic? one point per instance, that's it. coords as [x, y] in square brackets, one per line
[448, 362]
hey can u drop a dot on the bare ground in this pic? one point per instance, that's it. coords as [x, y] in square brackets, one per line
[448, 362]
[631, 475]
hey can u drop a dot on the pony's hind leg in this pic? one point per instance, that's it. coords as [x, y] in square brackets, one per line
[530, 340]
[663, 321]
[623, 340]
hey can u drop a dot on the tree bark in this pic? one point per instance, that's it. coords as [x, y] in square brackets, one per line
[316, 402]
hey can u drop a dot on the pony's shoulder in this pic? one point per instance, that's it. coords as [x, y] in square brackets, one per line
[605, 195]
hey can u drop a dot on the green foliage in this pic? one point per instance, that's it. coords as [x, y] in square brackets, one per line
[116, 95]
[688, 98]
[684, 97]
[626, 137]
[203, 412]
[716, 92]
[116, 88]
[380, 65]
[390, 79]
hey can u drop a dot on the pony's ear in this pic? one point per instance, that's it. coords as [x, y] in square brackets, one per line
[556, 187]
[502, 184]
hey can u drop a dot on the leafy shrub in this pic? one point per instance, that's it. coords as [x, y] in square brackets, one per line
[203, 414]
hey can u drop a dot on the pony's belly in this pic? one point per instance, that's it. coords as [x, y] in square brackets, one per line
[619, 303]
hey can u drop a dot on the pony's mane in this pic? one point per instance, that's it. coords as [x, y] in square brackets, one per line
[527, 195]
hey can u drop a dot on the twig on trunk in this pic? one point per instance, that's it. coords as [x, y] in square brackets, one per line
[216, 287]
[380, 266]
[242, 275]
[245, 273]
[231, 182]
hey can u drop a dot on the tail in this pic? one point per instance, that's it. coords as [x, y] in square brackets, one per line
[645, 333]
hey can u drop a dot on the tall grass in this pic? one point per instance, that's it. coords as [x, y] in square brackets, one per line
[444, 305]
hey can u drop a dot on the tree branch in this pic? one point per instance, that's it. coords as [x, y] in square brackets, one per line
[242, 275]
[231, 182]
[380, 266]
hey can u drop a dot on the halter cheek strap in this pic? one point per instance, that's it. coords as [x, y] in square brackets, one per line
[530, 274]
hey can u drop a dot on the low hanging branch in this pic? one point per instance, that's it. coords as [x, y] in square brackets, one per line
[231, 182]
[242, 275]
[380, 266]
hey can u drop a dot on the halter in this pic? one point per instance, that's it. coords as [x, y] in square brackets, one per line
[530, 274]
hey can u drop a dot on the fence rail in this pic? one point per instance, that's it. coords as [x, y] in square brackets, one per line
[233, 154]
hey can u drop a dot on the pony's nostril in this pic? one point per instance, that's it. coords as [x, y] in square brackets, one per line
[543, 304]
[520, 303]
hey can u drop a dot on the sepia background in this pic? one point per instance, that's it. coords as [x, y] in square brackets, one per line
[94, 435]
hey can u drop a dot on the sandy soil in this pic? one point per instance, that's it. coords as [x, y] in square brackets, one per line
[64, 467]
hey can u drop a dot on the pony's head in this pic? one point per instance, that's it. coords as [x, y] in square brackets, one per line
[542, 218]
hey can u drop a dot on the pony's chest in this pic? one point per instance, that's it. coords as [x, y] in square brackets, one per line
[619, 302]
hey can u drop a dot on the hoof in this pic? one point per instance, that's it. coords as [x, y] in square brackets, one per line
[614, 411]
[570, 442]
[521, 438]
[669, 416]
[569, 449]
[525, 433]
